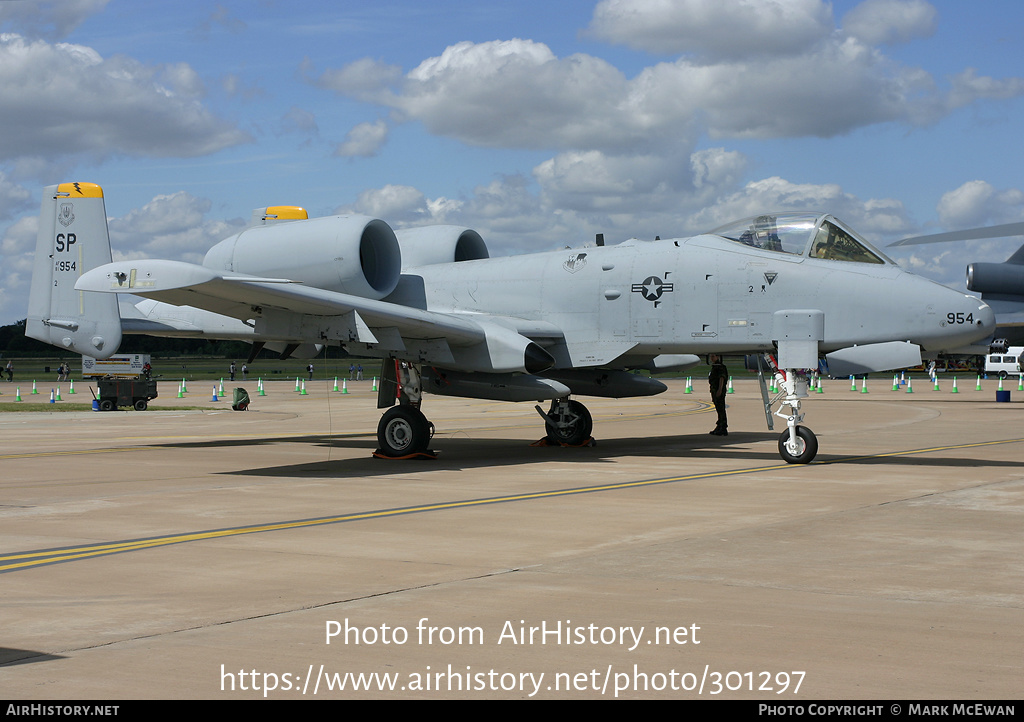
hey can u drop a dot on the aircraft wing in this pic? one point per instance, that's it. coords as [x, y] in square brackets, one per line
[1004, 231]
[280, 308]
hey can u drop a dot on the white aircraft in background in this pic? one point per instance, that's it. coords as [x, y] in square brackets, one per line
[447, 319]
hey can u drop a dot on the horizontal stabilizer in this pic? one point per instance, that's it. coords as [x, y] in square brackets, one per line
[857, 360]
[152, 276]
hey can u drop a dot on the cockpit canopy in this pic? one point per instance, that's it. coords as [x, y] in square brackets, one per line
[811, 235]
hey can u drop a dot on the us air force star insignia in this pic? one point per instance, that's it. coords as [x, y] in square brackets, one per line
[652, 288]
[67, 214]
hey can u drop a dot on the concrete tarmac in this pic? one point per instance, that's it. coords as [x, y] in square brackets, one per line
[205, 553]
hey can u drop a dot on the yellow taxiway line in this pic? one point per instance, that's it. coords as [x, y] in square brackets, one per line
[25, 560]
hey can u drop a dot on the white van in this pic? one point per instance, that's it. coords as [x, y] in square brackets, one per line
[1004, 364]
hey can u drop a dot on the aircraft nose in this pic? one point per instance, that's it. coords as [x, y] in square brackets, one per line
[964, 320]
[987, 315]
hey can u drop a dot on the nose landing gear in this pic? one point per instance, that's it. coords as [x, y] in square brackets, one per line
[797, 444]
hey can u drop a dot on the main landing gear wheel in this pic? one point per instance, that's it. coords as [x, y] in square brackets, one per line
[403, 430]
[806, 446]
[575, 424]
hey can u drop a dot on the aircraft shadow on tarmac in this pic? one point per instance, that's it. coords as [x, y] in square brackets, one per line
[10, 657]
[466, 454]
[457, 453]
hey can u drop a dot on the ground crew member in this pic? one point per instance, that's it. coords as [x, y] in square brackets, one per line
[718, 380]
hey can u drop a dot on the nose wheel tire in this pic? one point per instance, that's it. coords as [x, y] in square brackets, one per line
[805, 449]
[403, 430]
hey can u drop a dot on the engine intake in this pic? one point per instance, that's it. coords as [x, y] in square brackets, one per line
[428, 245]
[357, 255]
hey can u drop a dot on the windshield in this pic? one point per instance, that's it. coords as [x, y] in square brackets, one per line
[801, 234]
[834, 244]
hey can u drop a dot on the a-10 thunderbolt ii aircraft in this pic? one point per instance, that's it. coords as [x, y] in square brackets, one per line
[447, 319]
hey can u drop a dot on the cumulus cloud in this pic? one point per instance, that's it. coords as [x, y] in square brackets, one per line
[624, 148]
[871, 217]
[52, 19]
[170, 226]
[394, 203]
[977, 203]
[616, 183]
[719, 29]
[887, 22]
[591, 175]
[174, 227]
[20, 238]
[509, 214]
[365, 79]
[509, 93]
[299, 120]
[830, 90]
[967, 87]
[17, 248]
[364, 140]
[974, 204]
[947, 262]
[14, 198]
[716, 168]
[517, 93]
[568, 205]
[935, 264]
[64, 99]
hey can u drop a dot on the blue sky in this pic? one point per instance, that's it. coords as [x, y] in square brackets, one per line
[537, 123]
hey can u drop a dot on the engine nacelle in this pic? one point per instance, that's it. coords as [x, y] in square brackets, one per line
[427, 245]
[996, 278]
[357, 255]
